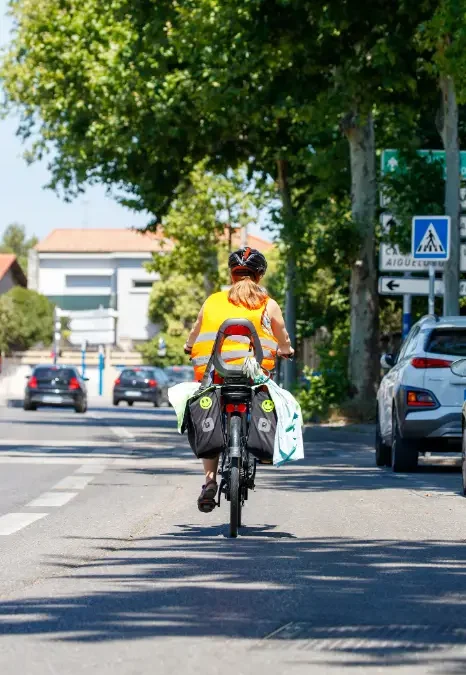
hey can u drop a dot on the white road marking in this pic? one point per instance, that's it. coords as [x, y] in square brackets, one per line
[12, 522]
[121, 432]
[57, 444]
[52, 499]
[73, 483]
[90, 469]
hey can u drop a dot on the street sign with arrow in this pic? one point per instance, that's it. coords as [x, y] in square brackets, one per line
[410, 286]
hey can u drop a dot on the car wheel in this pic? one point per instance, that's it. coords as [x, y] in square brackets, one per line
[29, 406]
[463, 461]
[130, 403]
[116, 401]
[80, 408]
[404, 452]
[382, 450]
[157, 402]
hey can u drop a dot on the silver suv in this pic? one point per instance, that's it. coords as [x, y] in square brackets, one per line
[419, 400]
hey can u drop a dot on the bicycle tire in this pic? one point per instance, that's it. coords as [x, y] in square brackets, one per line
[235, 496]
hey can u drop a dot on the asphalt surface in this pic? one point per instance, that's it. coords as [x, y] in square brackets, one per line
[107, 566]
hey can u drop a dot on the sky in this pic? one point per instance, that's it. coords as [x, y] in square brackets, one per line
[24, 200]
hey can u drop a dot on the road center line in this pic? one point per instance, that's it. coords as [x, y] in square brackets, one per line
[12, 522]
[52, 499]
[73, 483]
[90, 469]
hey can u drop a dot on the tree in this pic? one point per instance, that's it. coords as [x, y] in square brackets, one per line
[444, 38]
[10, 326]
[15, 241]
[29, 317]
[154, 97]
[202, 221]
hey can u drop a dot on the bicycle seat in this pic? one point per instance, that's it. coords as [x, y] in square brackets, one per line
[231, 328]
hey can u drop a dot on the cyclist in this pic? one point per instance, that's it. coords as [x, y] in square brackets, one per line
[246, 300]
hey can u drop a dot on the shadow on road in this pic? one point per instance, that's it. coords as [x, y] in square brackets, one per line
[377, 603]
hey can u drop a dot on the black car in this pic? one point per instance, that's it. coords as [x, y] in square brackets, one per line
[145, 383]
[177, 374]
[60, 386]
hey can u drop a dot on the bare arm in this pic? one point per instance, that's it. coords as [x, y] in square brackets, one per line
[279, 328]
[195, 330]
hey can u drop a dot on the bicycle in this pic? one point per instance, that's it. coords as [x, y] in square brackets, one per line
[237, 466]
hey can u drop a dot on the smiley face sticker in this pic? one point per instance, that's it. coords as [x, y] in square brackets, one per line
[205, 403]
[268, 405]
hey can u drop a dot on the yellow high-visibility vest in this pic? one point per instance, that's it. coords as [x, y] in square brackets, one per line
[218, 309]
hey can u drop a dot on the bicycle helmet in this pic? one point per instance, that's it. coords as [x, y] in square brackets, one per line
[248, 259]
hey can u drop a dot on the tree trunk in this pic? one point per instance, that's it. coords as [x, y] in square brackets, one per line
[363, 367]
[448, 129]
[290, 292]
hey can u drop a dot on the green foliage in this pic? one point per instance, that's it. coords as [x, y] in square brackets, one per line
[175, 303]
[202, 220]
[10, 325]
[28, 319]
[15, 241]
[174, 356]
[329, 386]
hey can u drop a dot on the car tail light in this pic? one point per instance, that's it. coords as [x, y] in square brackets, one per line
[117, 382]
[153, 383]
[73, 384]
[32, 383]
[420, 399]
[236, 407]
[426, 362]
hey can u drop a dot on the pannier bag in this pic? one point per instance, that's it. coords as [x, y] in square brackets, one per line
[203, 421]
[262, 425]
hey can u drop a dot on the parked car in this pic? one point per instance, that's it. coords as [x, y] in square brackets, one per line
[144, 383]
[420, 399]
[177, 374]
[58, 385]
[458, 368]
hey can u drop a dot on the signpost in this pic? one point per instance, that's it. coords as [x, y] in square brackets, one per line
[412, 286]
[390, 160]
[431, 242]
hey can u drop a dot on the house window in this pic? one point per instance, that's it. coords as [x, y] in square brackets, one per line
[80, 302]
[142, 284]
[88, 281]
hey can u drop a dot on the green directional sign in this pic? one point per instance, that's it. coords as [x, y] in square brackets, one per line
[390, 160]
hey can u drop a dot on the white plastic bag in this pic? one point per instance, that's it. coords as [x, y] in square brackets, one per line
[288, 446]
[178, 395]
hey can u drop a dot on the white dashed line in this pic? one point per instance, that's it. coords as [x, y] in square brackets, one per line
[73, 483]
[52, 499]
[12, 522]
[90, 469]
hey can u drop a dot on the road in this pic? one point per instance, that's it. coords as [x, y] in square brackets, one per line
[107, 566]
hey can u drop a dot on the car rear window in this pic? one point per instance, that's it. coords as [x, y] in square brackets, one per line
[447, 341]
[136, 374]
[48, 374]
[183, 374]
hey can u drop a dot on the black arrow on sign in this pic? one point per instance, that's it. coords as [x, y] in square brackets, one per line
[392, 285]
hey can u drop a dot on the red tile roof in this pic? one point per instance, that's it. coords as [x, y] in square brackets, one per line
[8, 262]
[120, 241]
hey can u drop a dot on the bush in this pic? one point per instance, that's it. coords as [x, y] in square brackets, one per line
[174, 356]
[329, 387]
[27, 319]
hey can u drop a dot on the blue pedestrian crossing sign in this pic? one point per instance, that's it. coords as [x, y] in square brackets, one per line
[431, 238]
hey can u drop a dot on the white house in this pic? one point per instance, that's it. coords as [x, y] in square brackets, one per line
[97, 276]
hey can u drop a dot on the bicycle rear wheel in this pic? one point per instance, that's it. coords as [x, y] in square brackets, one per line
[235, 470]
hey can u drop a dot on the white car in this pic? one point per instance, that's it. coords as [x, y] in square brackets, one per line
[419, 400]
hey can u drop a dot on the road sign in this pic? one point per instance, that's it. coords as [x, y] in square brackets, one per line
[431, 238]
[391, 160]
[410, 286]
